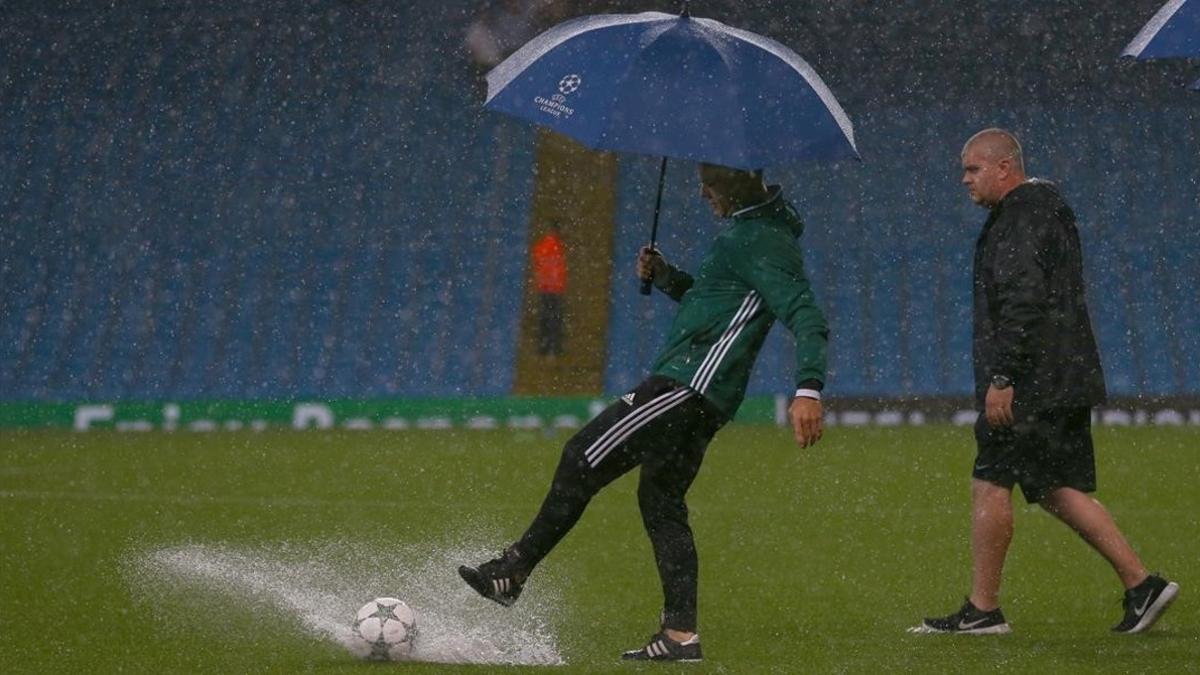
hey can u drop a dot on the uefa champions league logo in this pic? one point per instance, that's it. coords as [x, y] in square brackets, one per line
[569, 84]
[556, 105]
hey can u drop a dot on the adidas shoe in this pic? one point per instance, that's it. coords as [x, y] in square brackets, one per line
[1146, 602]
[662, 648]
[497, 579]
[966, 621]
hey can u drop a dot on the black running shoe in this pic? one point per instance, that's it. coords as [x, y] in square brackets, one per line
[662, 648]
[967, 621]
[497, 579]
[1146, 602]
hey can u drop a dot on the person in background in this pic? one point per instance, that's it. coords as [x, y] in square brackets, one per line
[504, 25]
[549, 262]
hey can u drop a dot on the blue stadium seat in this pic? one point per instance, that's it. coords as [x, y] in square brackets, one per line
[227, 202]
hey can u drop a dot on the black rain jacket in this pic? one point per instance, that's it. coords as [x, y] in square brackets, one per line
[1030, 316]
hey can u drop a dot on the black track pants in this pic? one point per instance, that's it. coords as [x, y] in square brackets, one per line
[664, 427]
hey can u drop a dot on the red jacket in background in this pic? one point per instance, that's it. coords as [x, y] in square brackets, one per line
[550, 264]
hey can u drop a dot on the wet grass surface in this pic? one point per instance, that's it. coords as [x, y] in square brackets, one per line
[811, 560]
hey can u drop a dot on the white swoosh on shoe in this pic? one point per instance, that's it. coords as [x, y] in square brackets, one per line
[1145, 605]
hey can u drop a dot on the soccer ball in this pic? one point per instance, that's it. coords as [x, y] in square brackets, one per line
[384, 630]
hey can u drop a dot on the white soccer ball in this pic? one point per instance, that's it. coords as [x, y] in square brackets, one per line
[384, 630]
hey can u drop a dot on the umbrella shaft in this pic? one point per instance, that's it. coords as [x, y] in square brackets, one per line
[662, 176]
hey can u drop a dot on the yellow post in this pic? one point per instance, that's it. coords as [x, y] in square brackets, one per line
[575, 187]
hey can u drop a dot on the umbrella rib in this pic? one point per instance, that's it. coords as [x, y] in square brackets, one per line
[806, 71]
[1151, 29]
[631, 68]
[619, 86]
[504, 73]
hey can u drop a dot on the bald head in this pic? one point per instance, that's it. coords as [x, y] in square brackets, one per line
[992, 166]
[997, 144]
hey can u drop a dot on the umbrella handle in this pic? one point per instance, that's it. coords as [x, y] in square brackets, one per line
[662, 175]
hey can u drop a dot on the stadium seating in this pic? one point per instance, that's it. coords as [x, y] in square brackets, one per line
[890, 243]
[224, 203]
[269, 200]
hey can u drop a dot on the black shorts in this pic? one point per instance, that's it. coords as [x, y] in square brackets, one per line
[1042, 451]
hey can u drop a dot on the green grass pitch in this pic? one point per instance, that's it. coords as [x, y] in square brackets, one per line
[811, 560]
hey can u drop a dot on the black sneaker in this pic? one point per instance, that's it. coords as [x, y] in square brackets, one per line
[497, 579]
[1146, 602]
[662, 648]
[967, 621]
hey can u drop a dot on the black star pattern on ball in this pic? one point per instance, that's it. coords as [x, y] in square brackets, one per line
[385, 612]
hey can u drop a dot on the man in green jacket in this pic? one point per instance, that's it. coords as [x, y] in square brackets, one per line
[752, 276]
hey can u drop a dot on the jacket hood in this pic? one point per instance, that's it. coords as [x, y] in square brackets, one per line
[774, 208]
[1034, 191]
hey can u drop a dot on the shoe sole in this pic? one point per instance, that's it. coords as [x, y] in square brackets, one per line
[1156, 609]
[478, 584]
[924, 629]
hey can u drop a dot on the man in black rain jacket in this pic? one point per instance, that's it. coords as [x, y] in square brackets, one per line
[1037, 377]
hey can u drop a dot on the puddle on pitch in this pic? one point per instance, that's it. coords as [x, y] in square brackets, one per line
[322, 585]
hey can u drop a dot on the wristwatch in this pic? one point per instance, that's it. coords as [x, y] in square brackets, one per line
[1001, 381]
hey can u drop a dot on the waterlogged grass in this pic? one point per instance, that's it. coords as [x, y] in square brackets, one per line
[230, 552]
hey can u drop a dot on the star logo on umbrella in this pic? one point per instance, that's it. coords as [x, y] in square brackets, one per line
[569, 84]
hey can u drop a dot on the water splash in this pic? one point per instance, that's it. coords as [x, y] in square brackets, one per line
[322, 585]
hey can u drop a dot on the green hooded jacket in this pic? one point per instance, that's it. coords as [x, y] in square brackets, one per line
[752, 275]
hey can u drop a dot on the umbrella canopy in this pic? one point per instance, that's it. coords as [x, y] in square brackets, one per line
[1174, 32]
[673, 86]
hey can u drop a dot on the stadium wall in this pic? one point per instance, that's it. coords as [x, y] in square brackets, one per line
[542, 414]
[261, 201]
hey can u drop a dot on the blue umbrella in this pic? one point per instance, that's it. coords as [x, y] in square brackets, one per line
[1174, 32]
[673, 86]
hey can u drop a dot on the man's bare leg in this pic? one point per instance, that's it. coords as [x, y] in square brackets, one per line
[1095, 525]
[991, 534]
